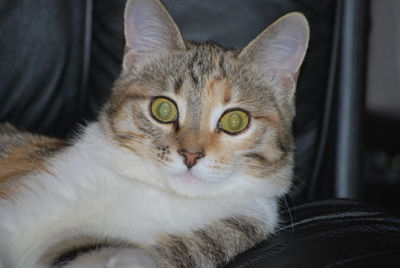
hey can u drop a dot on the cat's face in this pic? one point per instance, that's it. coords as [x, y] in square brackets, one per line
[209, 120]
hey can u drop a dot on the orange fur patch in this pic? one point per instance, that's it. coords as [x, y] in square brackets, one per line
[24, 159]
[227, 91]
[211, 88]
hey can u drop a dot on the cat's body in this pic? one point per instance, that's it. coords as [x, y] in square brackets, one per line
[190, 192]
[93, 200]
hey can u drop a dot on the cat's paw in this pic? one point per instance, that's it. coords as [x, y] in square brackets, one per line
[114, 258]
[132, 258]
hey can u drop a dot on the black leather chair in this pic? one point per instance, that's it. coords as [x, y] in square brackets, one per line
[58, 60]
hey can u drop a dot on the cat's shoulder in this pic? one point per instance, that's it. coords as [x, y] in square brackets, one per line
[9, 137]
[22, 153]
[13, 140]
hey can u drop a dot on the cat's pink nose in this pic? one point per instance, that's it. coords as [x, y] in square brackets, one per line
[190, 159]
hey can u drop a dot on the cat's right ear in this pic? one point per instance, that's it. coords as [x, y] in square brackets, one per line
[149, 29]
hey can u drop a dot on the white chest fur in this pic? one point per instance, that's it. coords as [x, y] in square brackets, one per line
[82, 194]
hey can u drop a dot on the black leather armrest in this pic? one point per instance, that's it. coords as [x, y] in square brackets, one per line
[334, 233]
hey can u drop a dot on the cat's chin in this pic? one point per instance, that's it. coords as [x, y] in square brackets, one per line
[189, 184]
[187, 177]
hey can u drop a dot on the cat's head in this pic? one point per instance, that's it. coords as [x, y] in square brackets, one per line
[205, 120]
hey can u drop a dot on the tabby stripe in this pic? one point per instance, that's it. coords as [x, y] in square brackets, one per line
[136, 96]
[243, 226]
[68, 250]
[211, 246]
[175, 250]
[222, 65]
[72, 254]
[193, 75]
[257, 156]
[178, 85]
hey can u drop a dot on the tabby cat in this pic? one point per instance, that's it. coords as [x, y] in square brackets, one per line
[183, 168]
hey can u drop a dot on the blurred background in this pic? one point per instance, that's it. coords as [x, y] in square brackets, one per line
[382, 152]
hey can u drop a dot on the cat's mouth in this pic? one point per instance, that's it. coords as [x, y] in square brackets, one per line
[188, 176]
[193, 177]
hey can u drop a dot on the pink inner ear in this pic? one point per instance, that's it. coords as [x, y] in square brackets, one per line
[282, 46]
[130, 58]
[287, 80]
[286, 55]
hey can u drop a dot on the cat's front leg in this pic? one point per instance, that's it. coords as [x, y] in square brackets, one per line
[96, 252]
[208, 247]
[114, 258]
[212, 246]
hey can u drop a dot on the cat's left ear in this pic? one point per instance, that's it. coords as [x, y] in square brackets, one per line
[280, 49]
[149, 29]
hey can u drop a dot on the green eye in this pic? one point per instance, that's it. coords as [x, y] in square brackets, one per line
[234, 121]
[164, 110]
